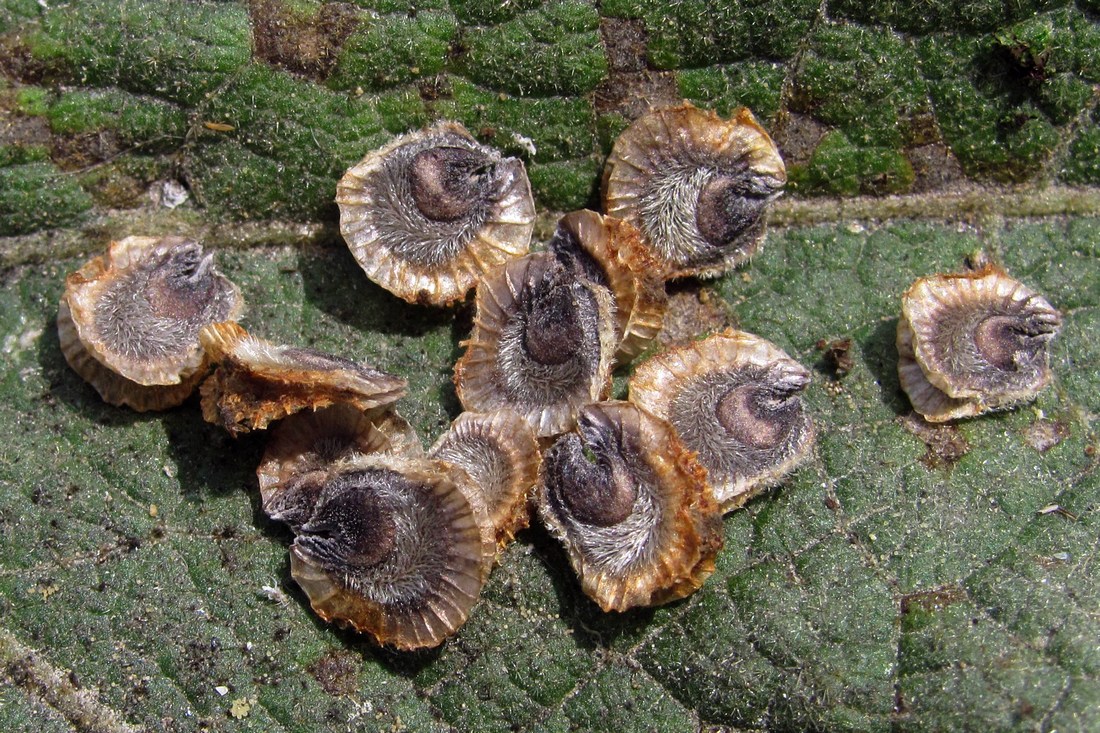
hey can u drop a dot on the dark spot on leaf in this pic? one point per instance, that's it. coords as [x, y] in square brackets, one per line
[1042, 435]
[797, 137]
[935, 167]
[631, 87]
[946, 443]
[79, 151]
[227, 532]
[932, 600]
[836, 356]
[337, 672]
[306, 44]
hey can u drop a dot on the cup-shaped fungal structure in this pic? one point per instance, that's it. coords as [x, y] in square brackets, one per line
[610, 252]
[973, 342]
[499, 453]
[542, 344]
[307, 446]
[395, 549]
[129, 320]
[257, 381]
[429, 214]
[696, 185]
[736, 400]
[631, 506]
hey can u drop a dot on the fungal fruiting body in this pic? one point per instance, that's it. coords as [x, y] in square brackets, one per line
[695, 185]
[307, 446]
[609, 251]
[129, 320]
[431, 212]
[631, 506]
[395, 549]
[500, 455]
[973, 342]
[542, 344]
[736, 400]
[257, 382]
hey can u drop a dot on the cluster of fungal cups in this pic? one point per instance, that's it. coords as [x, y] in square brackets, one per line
[397, 542]
[634, 490]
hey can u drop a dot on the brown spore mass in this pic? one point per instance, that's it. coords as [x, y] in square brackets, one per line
[725, 210]
[744, 418]
[356, 524]
[597, 491]
[553, 329]
[444, 182]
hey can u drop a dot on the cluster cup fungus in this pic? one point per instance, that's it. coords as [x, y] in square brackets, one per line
[736, 400]
[129, 320]
[973, 342]
[397, 542]
[631, 506]
[431, 212]
[499, 453]
[696, 186]
[542, 344]
[396, 548]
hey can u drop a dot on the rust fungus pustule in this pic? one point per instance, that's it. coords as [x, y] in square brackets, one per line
[609, 251]
[736, 400]
[696, 185]
[129, 320]
[307, 446]
[631, 506]
[257, 382]
[973, 342]
[395, 549]
[500, 455]
[542, 344]
[431, 212]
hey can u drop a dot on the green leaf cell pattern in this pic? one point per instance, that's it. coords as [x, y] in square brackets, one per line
[903, 580]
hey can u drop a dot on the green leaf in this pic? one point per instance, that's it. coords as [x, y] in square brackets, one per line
[903, 579]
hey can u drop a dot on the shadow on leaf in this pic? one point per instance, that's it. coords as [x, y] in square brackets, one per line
[880, 353]
[335, 284]
[592, 627]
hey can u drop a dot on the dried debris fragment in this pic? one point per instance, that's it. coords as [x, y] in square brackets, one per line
[257, 381]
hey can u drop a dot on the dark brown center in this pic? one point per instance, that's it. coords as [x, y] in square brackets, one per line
[446, 182]
[596, 487]
[182, 285]
[998, 339]
[554, 330]
[746, 419]
[1007, 340]
[725, 209]
[353, 525]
